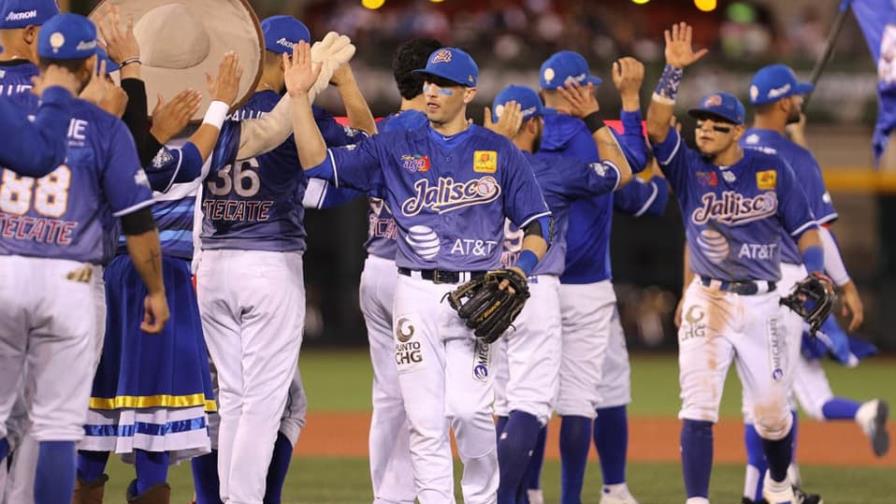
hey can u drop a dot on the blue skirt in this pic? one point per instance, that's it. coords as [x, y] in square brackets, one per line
[139, 370]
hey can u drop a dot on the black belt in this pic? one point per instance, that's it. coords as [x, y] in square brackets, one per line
[741, 287]
[441, 276]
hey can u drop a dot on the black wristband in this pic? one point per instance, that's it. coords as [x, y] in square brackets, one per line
[593, 122]
[130, 61]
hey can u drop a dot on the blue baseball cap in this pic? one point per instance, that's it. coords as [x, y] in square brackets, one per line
[564, 67]
[774, 82]
[530, 103]
[724, 106]
[16, 14]
[452, 64]
[67, 37]
[102, 55]
[281, 33]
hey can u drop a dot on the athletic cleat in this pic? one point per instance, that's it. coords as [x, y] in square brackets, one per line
[872, 418]
[778, 492]
[747, 500]
[627, 498]
[806, 498]
[536, 496]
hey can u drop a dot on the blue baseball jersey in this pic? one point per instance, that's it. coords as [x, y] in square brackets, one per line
[806, 170]
[71, 213]
[15, 82]
[590, 220]
[449, 195]
[382, 230]
[256, 204]
[563, 180]
[734, 216]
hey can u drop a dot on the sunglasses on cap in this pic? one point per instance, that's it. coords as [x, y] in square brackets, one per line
[716, 126]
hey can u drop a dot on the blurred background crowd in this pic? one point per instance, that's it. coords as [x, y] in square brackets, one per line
[510, 38]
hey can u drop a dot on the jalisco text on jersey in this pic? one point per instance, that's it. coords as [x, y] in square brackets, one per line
[37, 229]
[449, 195]
[734, 208]
[231, 210]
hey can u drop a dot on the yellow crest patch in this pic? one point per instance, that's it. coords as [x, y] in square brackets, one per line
[766, 179]
[485, 161]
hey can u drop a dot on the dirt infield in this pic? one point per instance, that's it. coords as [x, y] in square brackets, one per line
[651, 440]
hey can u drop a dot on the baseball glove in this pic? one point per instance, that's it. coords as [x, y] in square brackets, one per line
[486, 308]
[812, 298]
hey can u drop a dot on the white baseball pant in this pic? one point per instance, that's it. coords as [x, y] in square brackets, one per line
[48, 325]
[719, 328]
[527, 359]
[615, 387]
[446, 379]
[253, 308]
[19, 487]
[586, 312]
[810, 385]
[391, 472]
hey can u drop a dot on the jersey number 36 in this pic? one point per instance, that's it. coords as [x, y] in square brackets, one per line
[48, 195]
[241, 178]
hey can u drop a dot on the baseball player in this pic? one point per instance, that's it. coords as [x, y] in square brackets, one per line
[529, 357]
[736, 204]
[391, 473]
[587, 299]
[450, 186]
[251, 291]
[163, 381]
[63, 225]
[31, 149]
[776, 95]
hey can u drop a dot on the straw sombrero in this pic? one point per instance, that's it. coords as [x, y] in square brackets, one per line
[183, 40]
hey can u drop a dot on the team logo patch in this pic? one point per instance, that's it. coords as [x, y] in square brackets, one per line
[416, 163]
[408, 353]
[447, 195]
[708, 178]
[712, 101]
[481, 361]
[729, 176]
[57, 40]
[162, 158]
[766, 179]
[714, 245]
[404, 330]
[424, 241]
[485, 161]
[441, 56]
[549, 74]
[694, 324]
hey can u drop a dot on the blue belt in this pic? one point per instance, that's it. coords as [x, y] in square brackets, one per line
[740, 287]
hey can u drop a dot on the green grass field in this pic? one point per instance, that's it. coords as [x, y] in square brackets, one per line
[340, 381]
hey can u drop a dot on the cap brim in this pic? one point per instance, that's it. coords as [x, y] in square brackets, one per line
[593, 79]
[697, 113]
[804, 88]
[424, 73]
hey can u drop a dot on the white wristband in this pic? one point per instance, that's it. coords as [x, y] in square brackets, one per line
[216, 114]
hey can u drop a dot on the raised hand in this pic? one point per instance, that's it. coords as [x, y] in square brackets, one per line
[679, 50]
[628, 75]
[169, 119]
[225, 86]
[121, 44]
[509, 120]
[581, 99]
[300, 73]
[103, 93]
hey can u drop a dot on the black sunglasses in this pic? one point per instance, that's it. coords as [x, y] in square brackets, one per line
[715, 127]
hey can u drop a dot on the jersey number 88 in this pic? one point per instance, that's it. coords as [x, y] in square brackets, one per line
[48, 195]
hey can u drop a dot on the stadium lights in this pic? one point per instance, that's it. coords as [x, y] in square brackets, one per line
[640, 2]
[372, 4]
[706, 5]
